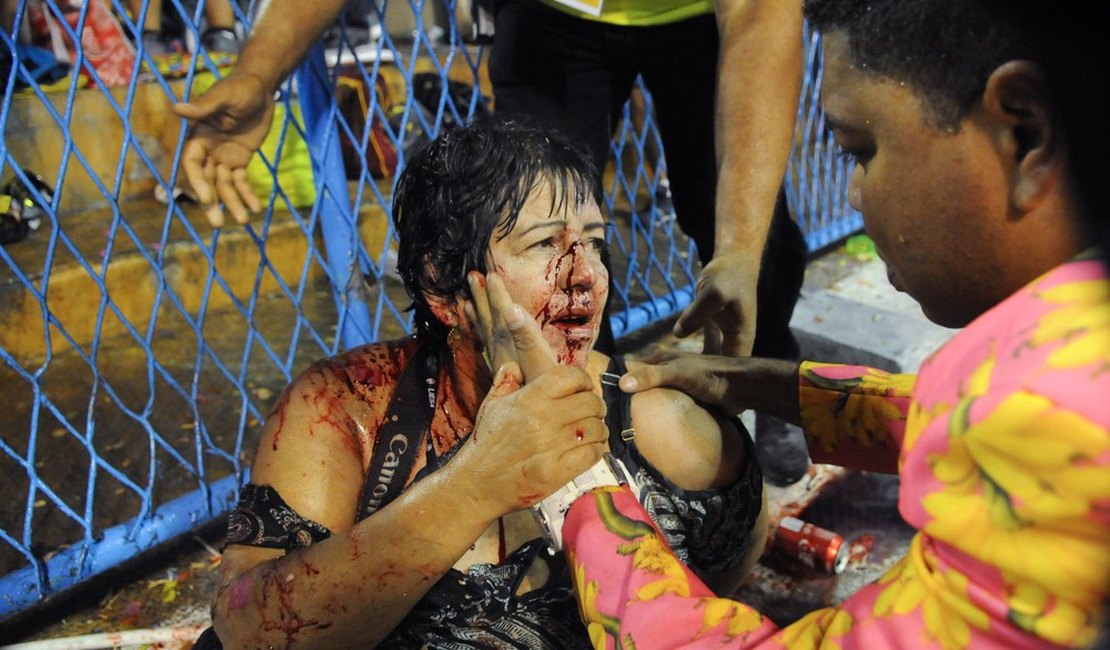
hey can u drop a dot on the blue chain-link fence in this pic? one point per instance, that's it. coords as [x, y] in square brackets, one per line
[141, 350]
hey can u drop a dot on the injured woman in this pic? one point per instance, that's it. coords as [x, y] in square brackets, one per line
[391, 492]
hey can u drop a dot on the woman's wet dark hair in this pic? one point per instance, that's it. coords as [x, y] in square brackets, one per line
[467, 186]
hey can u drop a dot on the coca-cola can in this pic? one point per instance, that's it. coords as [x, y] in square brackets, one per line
[812, 545]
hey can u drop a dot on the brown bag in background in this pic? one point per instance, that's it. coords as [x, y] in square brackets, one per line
[352, 98]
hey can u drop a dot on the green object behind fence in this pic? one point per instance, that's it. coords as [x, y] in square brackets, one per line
[294, 170]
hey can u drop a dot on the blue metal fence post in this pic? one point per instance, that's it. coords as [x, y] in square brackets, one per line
[338, 222]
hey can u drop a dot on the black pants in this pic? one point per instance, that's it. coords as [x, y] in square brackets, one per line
[575, 75]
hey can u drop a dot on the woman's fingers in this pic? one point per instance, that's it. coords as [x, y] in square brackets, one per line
[508, 333]
[588, 430]
[529, 347]
[532, 351]
[501, 340]
[528, 442]
[497, 345]
[477, 309]
[478, 298]
[508, 380]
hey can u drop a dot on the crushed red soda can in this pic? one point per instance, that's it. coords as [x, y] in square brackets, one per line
[812, 545]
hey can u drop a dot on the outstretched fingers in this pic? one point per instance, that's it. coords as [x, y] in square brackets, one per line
[193, 161]
[228, 193]
[529, 346]
[496, 352]
[705, 305]
[242, 185]
[507, 330]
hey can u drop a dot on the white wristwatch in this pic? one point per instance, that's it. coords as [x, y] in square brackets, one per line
[552, 511]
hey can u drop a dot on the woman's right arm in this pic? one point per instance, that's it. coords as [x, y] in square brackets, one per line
[353, 588]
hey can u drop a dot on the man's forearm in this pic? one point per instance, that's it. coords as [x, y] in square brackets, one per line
[282, 33]
[729, 383]
[758, 81]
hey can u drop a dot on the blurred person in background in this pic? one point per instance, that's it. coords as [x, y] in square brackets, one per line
[158, 39]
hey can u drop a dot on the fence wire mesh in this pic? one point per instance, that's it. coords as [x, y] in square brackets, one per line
[142, 350]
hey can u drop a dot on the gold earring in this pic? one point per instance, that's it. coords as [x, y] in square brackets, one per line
[453, 336]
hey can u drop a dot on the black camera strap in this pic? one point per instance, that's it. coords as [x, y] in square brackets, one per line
[409, 415]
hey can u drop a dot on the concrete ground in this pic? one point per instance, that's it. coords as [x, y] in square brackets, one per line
[847, 312]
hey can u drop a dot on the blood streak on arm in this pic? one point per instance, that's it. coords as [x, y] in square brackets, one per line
[279, 413]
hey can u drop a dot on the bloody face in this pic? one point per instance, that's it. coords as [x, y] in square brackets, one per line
[551, 264]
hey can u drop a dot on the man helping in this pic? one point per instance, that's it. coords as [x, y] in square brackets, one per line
[1002, 440]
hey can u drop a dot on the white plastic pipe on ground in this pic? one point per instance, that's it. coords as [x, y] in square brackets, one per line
[167, 637]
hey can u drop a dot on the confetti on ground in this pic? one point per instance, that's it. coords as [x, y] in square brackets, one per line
[861, 247]
[859, 550]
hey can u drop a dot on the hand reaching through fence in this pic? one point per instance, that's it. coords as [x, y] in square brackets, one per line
[231, 120]
[229, 123]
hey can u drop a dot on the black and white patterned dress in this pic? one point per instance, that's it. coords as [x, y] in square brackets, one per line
[708, 529]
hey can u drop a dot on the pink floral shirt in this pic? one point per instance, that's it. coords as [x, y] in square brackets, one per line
[1003, 447]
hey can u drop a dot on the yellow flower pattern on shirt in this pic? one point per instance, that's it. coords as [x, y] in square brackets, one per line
[1002, 442]
[1084, 313]
[848, 409]
[597, 625]
[817, 630]
[913, 586]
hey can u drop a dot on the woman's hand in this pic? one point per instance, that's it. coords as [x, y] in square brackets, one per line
[529, 440]
[507, 332]
[541, 424]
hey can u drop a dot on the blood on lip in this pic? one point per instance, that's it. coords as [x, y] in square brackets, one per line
[572, 326]
[571, 319]
[573, 305]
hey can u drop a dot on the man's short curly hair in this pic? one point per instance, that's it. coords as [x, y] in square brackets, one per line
[945, 50]
[465, 187]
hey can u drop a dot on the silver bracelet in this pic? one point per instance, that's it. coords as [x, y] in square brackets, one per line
[552, 511]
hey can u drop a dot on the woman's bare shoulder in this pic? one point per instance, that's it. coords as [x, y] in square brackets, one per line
[370, 366]
[322, 430]
[692, 446]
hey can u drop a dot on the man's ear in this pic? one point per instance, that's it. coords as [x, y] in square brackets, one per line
[1018, 99]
